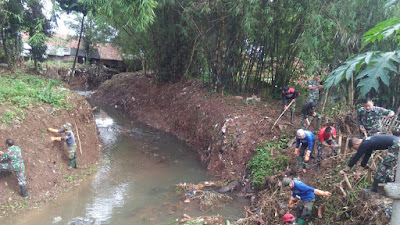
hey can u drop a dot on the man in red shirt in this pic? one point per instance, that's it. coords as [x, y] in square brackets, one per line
[326, 137]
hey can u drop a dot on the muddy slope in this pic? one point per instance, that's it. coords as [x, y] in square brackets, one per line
[46, 162]
[225, 131]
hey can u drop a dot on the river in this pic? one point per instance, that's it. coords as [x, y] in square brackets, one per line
[135, 182]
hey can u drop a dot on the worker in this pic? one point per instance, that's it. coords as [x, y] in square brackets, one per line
[313, 88]
[365, 147]
[307, 113]
[368, 118]
[306, 195]
[306, 139]
[326, 137]
[289, 94]
[12, 161]
[288, 219]
[69, 138]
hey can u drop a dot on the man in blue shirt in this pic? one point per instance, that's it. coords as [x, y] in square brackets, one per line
[306, 139]
[304, 193]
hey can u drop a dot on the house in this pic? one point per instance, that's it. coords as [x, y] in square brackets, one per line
[63, 48]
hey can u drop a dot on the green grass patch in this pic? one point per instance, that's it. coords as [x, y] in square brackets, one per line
[265, 164]
[23, 91]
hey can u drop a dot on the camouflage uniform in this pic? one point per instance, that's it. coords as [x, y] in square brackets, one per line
[304, 208]
[313, 95]
[71, 144]
[12, 161]
[371, 119]
[320, 148]
[387, 168]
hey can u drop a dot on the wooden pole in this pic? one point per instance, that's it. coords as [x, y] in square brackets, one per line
[77, 135]
[340, 142]
[282, 114]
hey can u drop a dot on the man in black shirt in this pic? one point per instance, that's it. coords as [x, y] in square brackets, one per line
[307, 113]
[365, 147]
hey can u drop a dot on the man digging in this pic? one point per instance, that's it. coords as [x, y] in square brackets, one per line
[69, 138]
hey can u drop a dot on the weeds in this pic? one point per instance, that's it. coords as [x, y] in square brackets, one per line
[265, 164]
[23, 91]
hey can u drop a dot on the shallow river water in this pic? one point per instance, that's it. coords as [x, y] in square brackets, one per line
[135, 180]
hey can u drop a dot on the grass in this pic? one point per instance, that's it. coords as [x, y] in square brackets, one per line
[263, 164]
[23, 91]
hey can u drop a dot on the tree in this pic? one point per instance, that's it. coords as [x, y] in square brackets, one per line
[39, 30]
[373, 70]
[11, 23]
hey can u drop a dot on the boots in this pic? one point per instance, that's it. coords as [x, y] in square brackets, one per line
[24, 193]
[374, 187]
[300, 221]
[291, 117]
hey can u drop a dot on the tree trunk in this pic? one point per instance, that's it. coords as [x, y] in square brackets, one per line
[4, 41]
[79, 42]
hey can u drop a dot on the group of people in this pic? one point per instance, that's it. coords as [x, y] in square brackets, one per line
[372, 139]
[12, 160]
[289, 96]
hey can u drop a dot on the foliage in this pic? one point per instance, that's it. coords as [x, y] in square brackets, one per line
[265, 164]
[26, 90]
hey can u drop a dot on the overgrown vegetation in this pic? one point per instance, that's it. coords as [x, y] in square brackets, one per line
[267, 161]
[23, 91]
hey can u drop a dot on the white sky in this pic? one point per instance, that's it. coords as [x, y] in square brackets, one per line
[62, 28]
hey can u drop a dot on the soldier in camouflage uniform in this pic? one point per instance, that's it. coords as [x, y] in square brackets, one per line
[313, 89]
[365, 147]
[12, 161]
[368, 118]
[306, 194]
[71, 143]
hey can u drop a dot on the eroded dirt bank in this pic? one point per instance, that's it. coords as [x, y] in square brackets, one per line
[45, 161]
[224, 130]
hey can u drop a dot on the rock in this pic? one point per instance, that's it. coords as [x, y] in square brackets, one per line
[81, 221]
[57, 219]
[230, 187]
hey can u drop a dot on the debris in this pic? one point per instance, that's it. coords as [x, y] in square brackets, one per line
[57, 219]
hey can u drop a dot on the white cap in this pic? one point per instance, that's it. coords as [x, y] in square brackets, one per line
[300, 132]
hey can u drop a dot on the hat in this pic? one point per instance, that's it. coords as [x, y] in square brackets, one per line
[288, 218]
[67, 126]
[300, 132]
[286, 181]
[286, 89]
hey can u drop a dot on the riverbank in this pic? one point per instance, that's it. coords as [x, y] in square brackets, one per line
[224, 130]
[25, 121]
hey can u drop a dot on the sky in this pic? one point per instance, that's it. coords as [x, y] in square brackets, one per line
[61, 28]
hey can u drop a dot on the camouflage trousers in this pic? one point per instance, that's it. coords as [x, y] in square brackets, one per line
[304, 209]
[320, 148]
[303, 120]
[387, 168]
[73, 162]
[20, 174]
[292, 107]
[300, 159]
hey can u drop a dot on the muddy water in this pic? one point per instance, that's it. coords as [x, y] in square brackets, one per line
[135, 182]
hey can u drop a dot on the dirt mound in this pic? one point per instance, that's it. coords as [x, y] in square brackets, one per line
[224, 130]
[46, 162]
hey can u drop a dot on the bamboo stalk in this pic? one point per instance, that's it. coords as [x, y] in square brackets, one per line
[77, 135]
[347, 181]
[346, 145]
[340, 142]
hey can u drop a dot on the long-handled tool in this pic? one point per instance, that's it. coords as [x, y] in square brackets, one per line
[282, 114]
